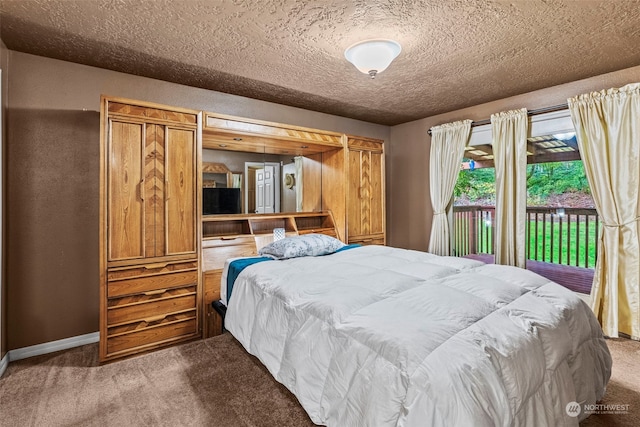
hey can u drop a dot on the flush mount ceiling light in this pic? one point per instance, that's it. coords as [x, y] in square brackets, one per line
[372, 56]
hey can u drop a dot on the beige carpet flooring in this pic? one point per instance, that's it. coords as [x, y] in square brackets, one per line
[211, 382]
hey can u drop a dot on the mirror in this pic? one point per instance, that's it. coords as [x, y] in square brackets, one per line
[259, 182]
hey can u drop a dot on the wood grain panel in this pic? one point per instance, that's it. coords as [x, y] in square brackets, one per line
[224, 240]
[366, 202]
[377, 239]
[267, 129]
[154, 113]
[377, 193]
[365, 192]
[212, 286]
[214, 258]
[334, 188]
[151, 283]
[145, 297]
[150, 269]
[373, 145]
[328, 231]
[213, 322]
[148, 309]
[152, 335]
[125, 211]
[312, 183]
[160, 191]
[180, 193]
[354, 182]
[150, 196]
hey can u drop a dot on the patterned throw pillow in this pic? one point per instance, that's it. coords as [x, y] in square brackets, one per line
[298, 246]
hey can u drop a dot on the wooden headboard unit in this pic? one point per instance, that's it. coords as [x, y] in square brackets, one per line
[231, 236]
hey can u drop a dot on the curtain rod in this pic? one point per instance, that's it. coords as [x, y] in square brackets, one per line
[530, 113]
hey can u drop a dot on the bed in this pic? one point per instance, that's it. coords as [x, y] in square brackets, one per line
[380, 336]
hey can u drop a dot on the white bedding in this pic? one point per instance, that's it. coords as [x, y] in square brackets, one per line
[379, 336]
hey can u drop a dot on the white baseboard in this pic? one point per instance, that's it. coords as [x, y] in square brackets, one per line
[52, 346]
[4, 362]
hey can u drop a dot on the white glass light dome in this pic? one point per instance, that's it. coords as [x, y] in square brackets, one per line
[372, 56]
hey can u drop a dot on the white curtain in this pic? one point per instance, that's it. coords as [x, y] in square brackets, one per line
[447, 148]
[608, 131]
[509, 131]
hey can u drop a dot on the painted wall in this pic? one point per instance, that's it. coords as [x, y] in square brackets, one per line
[4, 71]
[52, 183]
[409, 211]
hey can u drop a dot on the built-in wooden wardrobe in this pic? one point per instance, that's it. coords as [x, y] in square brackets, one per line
[161, 259]
[365, 193]
[150, 226]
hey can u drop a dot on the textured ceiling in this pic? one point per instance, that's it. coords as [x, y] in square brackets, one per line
[456, 53]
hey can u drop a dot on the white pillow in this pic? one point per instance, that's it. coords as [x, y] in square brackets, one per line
[299, 246]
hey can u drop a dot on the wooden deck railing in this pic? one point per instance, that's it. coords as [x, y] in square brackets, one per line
[566, 236]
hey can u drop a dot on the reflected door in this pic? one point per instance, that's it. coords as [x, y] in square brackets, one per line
[260, 191]
[265, 190]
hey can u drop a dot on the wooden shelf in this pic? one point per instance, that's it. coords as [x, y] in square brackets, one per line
[215, 226]
[266, 225]
[227, 227]
[314, 222]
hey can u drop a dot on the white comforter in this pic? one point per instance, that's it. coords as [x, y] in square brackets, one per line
[379, 336]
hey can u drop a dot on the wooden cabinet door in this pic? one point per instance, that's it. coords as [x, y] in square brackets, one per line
[180, 191]
[125, 204]
[376, 174]
[366, 193]
[152, 184]
[355, 216]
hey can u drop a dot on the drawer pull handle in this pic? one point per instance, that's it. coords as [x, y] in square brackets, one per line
[156, 265]
[155, 318]
[228, 238]
[158, 292]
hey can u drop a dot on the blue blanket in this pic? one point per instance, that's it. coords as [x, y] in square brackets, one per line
[236, 267]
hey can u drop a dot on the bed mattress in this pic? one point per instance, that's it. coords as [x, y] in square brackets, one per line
[380, 336]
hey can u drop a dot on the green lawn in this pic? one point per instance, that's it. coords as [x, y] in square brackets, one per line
[586, 242]
[544, 242]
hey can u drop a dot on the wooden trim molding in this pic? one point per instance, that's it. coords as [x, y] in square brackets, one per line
[256, 136]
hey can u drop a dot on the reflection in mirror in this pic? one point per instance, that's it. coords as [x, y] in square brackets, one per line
[262, 183]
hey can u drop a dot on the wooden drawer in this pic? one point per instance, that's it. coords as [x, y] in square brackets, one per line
[368, 240]
[149, 305]
[328, 231]
[149, 284]
[216, 251]
[153, 335]
[150, 270]
[217, 242]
